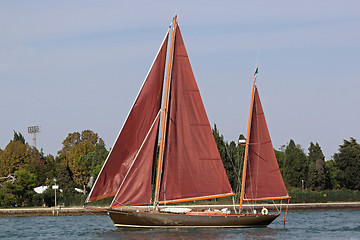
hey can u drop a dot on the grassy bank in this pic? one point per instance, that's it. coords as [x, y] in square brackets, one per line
[299, 196]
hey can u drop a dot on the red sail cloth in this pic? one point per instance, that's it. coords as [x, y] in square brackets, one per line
[192, 165]
[133, 133]
[136, 188]
[263, 177]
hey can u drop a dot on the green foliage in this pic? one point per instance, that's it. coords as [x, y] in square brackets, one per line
[99, 158]
[348, 162]
[85, 162]
[316, 173]
[19, 137]
[25, 183]
[296, 165]
[68, 199]
[231, 156]
[281, 158]
[92, 162]
[7, 197]
[75, 199]
[15, 155]
[332, 173]
[20, 192]
[102, 202]
[75, 146]
[299, 196]
[83, 154]
[64, 179]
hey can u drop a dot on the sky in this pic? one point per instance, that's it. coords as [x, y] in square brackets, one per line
[68, 66]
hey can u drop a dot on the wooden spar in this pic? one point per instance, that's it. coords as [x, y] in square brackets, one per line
[286, 210]
[164, 117]
[266, 199]
[247, 143]
[199, 198]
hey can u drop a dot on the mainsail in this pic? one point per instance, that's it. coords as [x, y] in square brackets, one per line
[132, 148]
[263, 177]
[193, 167]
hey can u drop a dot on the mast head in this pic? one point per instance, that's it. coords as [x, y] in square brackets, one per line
[256, 71]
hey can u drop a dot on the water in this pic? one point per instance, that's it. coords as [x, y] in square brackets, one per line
[333, 224]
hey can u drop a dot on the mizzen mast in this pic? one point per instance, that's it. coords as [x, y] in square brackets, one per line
[247, 142]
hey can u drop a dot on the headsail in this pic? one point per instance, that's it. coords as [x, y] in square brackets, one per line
[263, 178]
[136, 186]
[193, 167]
[130, 142]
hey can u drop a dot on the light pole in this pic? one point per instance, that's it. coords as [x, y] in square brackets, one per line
[34, 130]
[302, 185]
[55, 187]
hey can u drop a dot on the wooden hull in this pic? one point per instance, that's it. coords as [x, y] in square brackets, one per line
[124, 219]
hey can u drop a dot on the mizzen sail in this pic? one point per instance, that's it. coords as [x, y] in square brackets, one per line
[263, 178]
[132, 141]
[193, 167]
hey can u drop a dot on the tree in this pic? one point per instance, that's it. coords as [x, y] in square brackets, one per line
[92, 162]
[296, 166]
[332, 173]
[231, 156]
[316, 172]
[64, 178]
[7, 198]
[348, 162]
[19, 137]
[99, 158]
[280, 157]
[25, 184]
[235, 156]
[221, 145]
[74, 146]
[15, 155]
[20, 191]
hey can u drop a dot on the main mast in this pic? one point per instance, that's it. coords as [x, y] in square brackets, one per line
[247, 142]
[164, 116]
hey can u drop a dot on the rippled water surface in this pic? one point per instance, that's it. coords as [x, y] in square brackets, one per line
[331, 224]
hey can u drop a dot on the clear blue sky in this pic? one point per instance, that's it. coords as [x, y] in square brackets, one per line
[74, 65]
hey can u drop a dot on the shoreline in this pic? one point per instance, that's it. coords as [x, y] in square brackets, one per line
[77, 211]
[35, 212]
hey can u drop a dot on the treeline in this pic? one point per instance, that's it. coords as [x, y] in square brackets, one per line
[304, 170]
[77, 164]
[23, 167]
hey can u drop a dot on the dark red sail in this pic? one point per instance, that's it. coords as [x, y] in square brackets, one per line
[263, 178]
[136, 186]
[193, 168]
[133, 134]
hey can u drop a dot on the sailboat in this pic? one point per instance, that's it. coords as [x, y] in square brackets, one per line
[188, 166]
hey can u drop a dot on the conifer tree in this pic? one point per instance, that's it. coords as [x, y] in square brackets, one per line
[348, 162]
[316, 172]
[296, 166]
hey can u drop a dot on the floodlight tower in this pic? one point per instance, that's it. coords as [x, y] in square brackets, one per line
[34, 130]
